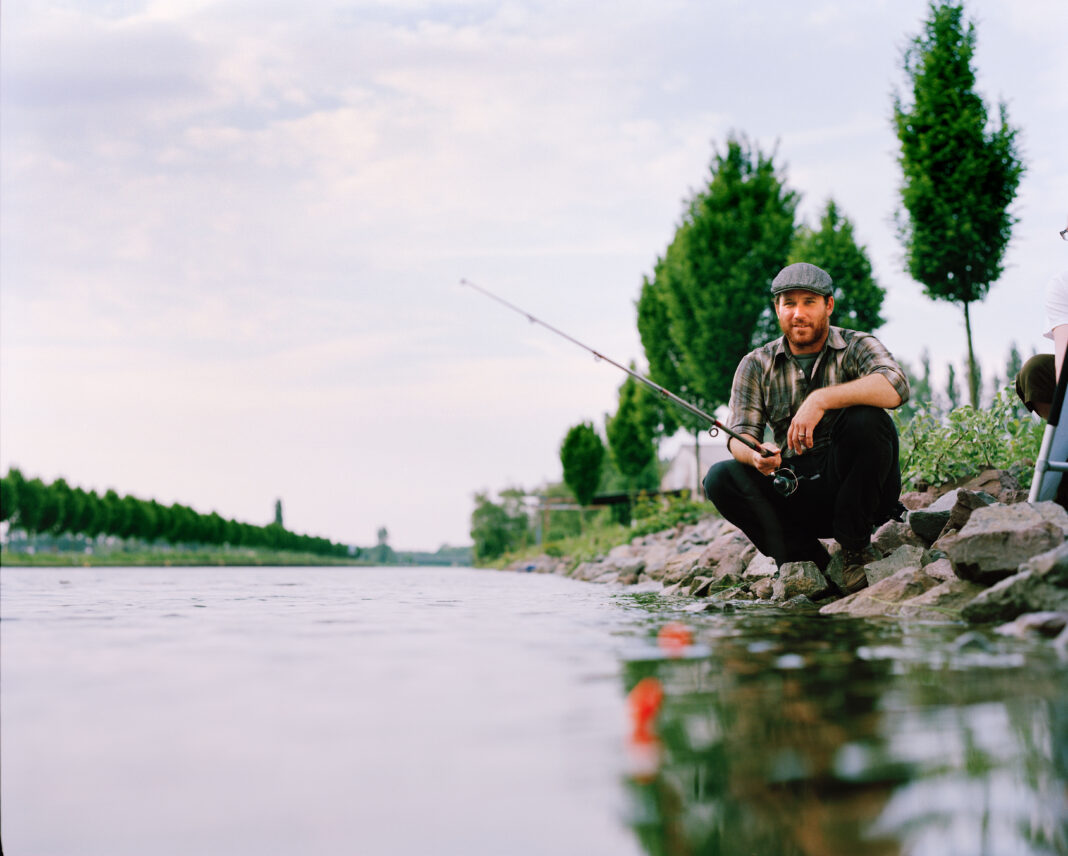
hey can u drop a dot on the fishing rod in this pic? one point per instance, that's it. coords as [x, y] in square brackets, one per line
[715, 426]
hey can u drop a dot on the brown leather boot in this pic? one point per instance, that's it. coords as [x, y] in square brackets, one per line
[854, 577]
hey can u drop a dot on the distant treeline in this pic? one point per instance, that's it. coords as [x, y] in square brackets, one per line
[57, 508]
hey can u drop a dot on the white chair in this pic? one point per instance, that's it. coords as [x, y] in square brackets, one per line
[1052, 460]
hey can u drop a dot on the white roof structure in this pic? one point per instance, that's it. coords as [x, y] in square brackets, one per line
[685, 472]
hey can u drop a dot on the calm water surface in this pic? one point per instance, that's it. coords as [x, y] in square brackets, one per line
[452, 711]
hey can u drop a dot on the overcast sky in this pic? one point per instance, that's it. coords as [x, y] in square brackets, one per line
[232, 232]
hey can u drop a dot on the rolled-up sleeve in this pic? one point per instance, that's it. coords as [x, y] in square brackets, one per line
[870, 356]
[747, 398]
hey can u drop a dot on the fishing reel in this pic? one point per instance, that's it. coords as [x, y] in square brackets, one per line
[786, 481]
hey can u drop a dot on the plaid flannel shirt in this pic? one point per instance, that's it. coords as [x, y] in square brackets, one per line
[770, 385]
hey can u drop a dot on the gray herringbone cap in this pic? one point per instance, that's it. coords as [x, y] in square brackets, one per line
[802, 275]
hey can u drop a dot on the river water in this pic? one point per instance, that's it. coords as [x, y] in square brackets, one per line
[453, 711]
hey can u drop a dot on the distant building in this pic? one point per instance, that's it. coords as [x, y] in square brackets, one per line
[682, 473]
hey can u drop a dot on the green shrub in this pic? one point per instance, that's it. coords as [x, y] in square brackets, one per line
[937, 448]
[655, 514]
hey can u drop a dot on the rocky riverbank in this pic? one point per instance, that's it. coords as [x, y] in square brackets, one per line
[977, 552]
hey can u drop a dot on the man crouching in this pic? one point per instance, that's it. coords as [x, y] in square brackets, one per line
[824, 391]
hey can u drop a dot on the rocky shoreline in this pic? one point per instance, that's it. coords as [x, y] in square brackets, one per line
[976, 553]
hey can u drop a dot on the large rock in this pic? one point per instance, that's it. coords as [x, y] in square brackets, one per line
[940, 569]
[624, 551]
[729, 553]
[894, 534]
[905, 556]
[997, 539]
[884, 597]
[587, 571]
[967, 502]
[656, 557]
[799, 578]
[1001, 484]
[763, 588]
[760, 566]
[629, 569]
[944, 602]
[682, 566]
[929, 522]
[1040, 586]
[701, 533]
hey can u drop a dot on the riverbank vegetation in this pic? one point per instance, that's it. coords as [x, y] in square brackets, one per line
[938, 446]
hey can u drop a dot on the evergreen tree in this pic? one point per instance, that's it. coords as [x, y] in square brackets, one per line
[858, 299]
[582, 456]
[959, 176]
[9, 494]
[278, 512]
[952, 388]
[1013, 362]
[629, 439]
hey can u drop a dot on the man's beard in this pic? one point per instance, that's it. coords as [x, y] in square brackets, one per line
[804, 336]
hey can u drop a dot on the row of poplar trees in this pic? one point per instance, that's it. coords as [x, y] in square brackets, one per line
[36, 507]
[707, 301]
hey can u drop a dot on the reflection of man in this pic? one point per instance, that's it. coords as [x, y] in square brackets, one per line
[824, 391]
[1037, 380]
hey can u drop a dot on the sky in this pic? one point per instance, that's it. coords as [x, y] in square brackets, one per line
[232, 234]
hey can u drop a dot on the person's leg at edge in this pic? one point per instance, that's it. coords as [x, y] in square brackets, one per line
[864, 464]
[1036, 383]
[747, 499]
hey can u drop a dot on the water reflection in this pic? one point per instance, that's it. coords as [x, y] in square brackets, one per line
[788, 734]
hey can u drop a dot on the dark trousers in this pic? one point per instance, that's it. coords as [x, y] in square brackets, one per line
[858, 488]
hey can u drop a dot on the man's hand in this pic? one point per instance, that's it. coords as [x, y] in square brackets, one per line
[745, 454]
[801, 435]
[766, 465]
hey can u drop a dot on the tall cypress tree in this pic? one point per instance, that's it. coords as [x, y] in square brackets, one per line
[960, 174]
[582, 457]
[629, 439]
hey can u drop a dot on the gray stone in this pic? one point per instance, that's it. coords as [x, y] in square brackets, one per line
[944, 602]
[941, 569]
[682, 566]
[656, 557]
[967, 502]
[799, 578]
[894, 534]
[587, 571]
[929, 522]
[997, 539]
[623, 551]
[730, 550]
[905, 556]
[760, 566]
[883, 598]
[1040, 586]
[1001, 484]
[701, 586]
[932, 555]
[764, 588]
[629, 569]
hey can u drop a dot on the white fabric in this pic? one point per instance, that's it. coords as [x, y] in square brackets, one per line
[1056, 303]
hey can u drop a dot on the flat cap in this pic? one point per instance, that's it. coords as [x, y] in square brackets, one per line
[804, 276]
